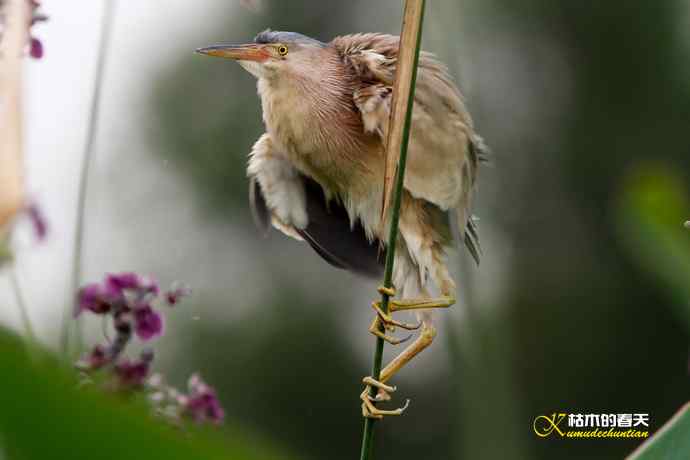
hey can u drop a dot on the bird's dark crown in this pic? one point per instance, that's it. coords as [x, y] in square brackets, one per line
[276, 36]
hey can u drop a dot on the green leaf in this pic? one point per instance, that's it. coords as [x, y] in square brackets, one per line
[45, 415]
[653, 206]
[671, 442]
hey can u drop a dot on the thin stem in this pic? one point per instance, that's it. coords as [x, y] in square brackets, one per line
[21, 304]
[87, 160]
[411, 36]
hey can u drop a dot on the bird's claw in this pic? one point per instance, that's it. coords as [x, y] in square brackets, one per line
[375, 329]
[389, 324]
[388, 321]
[369, 410]
[389, 291]
[370, 381]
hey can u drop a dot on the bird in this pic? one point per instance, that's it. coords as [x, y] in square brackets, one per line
[316, 174]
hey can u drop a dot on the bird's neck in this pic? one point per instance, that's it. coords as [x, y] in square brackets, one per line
[307, 107]
[313, 120]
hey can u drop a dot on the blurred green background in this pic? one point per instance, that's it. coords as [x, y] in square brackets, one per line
[580, 305]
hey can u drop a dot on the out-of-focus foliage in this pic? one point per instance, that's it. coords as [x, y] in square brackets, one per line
[672, 442]
[653, 207]
[46, 415]
[570, 96]
[653, 204]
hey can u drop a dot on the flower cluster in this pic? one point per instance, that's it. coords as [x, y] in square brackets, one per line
[35, 45]
[128, 299]
[687, 225]
[199, 404]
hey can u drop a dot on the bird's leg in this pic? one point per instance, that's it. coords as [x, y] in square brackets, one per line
[385, 319]
[445, 301]
[369, 410]
[426, 337]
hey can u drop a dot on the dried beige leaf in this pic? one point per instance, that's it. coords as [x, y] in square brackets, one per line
[14, 38]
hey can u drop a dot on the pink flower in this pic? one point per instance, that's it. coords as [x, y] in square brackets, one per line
[176, 293]
[92, 297]
[117, 284]
[36, 48]
[148, 323]
[96, 359]
[127, 299]
[132, 373]
[202, 403]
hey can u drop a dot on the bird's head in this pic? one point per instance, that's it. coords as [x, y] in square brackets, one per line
[273, 54]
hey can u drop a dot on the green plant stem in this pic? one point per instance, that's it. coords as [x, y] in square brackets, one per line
[368, 435]
[21, 305]
[87, 160]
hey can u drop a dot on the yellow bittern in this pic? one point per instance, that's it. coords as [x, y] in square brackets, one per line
[317, 172]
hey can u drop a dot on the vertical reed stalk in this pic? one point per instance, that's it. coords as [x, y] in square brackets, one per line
[87, 160]
[22, 305]
[396, 155]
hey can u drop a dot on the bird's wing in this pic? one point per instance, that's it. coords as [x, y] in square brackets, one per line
[332, 236]
[329, 232]
[445, 152]
[257, 203]
[279, 195]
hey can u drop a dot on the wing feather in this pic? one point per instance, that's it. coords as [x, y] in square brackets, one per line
[257, 203]
[442, 127]
[330, 234]
[329, 231]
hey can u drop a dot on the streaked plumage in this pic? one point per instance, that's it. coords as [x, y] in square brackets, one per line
[317, 173]
[329, 126]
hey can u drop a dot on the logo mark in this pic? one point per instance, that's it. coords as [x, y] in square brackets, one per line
[592, 425]
[544, 425]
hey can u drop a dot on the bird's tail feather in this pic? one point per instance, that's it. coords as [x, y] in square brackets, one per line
[472, 239]
[465, 231]
[480, 149]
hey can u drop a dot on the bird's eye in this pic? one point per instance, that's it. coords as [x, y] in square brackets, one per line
[282, 50]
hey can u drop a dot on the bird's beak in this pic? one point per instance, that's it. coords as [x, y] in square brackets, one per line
[248, 52]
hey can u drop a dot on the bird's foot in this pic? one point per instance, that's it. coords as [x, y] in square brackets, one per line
[389, 291]
[369, 410]
[384, 321]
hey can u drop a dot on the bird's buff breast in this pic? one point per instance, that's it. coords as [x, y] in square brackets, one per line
[316, 144]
